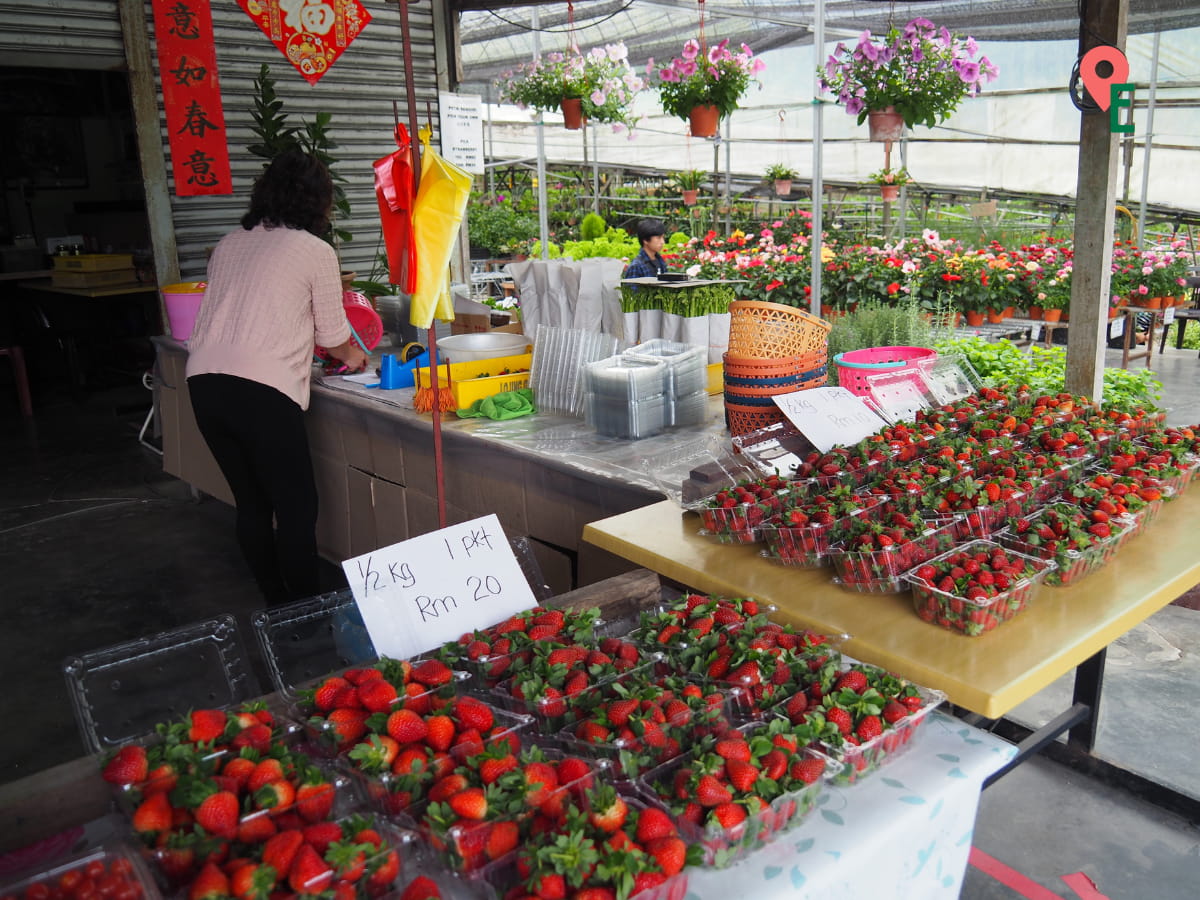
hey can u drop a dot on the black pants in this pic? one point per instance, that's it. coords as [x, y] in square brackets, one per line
[257, 436]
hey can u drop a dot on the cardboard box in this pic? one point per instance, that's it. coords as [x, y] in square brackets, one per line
[93, 262]
[107, 278]
[470, 316]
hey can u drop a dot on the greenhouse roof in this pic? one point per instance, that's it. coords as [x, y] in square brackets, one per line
[495, 37]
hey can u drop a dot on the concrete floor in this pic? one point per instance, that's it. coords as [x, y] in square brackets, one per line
[97, 546]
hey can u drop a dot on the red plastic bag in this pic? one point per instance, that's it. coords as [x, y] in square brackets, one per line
[395, 195]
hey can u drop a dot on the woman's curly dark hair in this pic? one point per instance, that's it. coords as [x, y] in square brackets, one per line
[295, 191]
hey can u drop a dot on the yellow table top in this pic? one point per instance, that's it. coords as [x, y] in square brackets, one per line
[989, 674]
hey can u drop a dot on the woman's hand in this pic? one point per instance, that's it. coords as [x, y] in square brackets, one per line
[351, 355]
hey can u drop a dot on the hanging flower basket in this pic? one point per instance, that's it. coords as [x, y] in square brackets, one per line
[703, 121]
[885, 124]
[572, 110]
[716, 79]
[890, 192]
[783, 187]
[600, 81]
[920, 72]
[690, 197]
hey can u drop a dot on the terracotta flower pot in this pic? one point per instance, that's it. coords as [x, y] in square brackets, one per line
[690, 197]
[1052, 315]
[974, 318]
[703, 121]
[885, 124]
[1113, 312]
[995, 316]
[890, 192]
[1035, 313]
[783, 187]
[572, 110]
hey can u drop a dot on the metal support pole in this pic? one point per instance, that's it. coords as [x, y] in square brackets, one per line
[1149, 138]
[818, 181]
[543, 220]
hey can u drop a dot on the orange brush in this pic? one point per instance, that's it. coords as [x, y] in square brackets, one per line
[423, 398]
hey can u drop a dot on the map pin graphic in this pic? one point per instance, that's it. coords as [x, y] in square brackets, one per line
[1098, 85]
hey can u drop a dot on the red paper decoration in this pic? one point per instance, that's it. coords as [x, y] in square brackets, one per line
[187, 64]
[311, 33]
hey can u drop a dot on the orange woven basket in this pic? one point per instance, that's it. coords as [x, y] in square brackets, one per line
[744, 419]
[759, 367]
[770, 330]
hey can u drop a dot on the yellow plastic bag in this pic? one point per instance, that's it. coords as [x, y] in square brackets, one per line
[437, 215]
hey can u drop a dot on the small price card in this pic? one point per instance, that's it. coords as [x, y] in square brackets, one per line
[829, 416]
[418, 594]
[1168, 315]
[1116, 327]
[1035, 332]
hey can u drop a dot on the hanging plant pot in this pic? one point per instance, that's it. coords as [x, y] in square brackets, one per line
[783, 187]
[890, 192]
[703, 121]
[572, 110]
[690, 197]
[885, 124]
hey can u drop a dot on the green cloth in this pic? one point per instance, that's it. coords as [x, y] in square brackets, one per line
[508, 405]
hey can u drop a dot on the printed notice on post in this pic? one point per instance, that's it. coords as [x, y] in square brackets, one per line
[418, 594]
[829, 416]
[461, 120]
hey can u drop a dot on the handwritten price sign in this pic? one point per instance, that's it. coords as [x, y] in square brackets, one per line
[829, 416]
[418, 594]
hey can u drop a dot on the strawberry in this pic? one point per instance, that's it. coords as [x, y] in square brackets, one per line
[840, 718]
[609, 810]
[854, 680]
[218, 814]
[309, 874]
[384, 875]
[594, 893]
[733, 748]
[265, 772]
[251, 882]
[441, 732]
[422, 888]
[893, 712]
[276, 796]
[127, 766]
[432, 672]
[470, 804]
[472, 713]
[405, 726]
[210, 884]
[153, 815]
[280, 851]
[870, 727]
[653, 823]
[322, 834]
[670, 853]
[377, 696]
[446, 787]
[256, 828]
[314, 802]
[729, 815]
[808, 769]
[347, 725]
[257, 737]
[333, 692]
[206, 725]
[710, 792]
[549, 886]
[742, 775]
[491, 769]
[619, 711]
[572, 770]
[503, 838]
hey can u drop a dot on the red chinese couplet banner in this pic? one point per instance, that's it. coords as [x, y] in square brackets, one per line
[311, 33]
[187, 64]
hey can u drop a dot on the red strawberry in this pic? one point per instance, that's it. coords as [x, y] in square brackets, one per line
[377, 695]
[277, 796]
[348, 724]
[647, 881]
[492, 768]
[218, 814]
[470, 804]
[206, 725]
[441, 732]
[733, 749]
[472, 713]
[619, 711]
[840, 718]
[422, 888]
[654, 823]
[574, 771]
[730, 815]
[808, 769]
[238, 770]
[153, 815]
[265, 772]
[127, 766]
[257, 737]
[710, 792]
[670, 853]
[332, 693]
[446, 787]
[893, 712]
[405, 726]
[854, 680]
[314, 802]
[384, 875]
[609, 810]
[210, 884]
[251, 882]
[309, 873]
[870, 727]
[550, 886]
[280, 851]
[742, 775]
[256, 828]
[502, 839]
[774, 764]
[322, 834]
[432, 672]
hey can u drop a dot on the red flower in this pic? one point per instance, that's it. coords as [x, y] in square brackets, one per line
[950, 276]
[893, 288]
[771, 285]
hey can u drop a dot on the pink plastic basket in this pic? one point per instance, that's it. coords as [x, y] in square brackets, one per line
[362, 318]
[855, 366]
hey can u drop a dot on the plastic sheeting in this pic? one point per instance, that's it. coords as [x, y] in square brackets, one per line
[570, 293]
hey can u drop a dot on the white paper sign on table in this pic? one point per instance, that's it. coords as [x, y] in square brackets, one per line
[1116, 327]
[829, 416]
[1168, 315]
[418, 594]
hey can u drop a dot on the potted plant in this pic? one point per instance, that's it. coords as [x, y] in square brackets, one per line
[890, 181]
[1055, 293]
[781, 176]
[702, 88]
[912, 76]
[689, 182]
[598, 85]
[497, 226]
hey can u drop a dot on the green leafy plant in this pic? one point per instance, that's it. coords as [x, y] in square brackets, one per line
[922, 71]
[592, 227]
[689, 179]
[877, 324]
[600, 78]
[718, 78]
[501, 229]
[780, 172]
[891, 176]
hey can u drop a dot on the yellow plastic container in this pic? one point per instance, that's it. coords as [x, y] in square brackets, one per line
[716, 378]
[481, 378]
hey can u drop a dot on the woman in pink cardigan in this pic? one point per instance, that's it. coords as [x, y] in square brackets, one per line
[274, 293]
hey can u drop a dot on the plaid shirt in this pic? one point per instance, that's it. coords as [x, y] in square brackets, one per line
[642, 266]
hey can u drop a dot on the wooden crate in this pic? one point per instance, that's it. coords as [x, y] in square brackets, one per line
[93, 262]
[93, 279]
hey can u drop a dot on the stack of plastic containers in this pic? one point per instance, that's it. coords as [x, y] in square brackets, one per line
[646, 389]
[559, 355]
